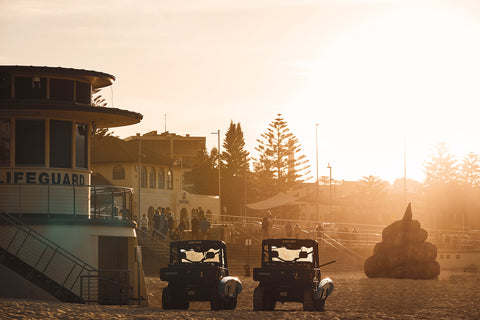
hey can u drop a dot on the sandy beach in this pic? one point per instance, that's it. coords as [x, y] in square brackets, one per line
[454, 295]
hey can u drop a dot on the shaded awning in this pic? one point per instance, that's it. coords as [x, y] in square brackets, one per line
[278, 200]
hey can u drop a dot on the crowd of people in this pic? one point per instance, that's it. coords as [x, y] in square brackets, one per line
[164, 225]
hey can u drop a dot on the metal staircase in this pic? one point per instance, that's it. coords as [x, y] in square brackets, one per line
[47, 265]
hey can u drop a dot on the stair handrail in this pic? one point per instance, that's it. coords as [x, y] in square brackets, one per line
[17, 222]
[250, 236]
[341, 248]
[157, 241]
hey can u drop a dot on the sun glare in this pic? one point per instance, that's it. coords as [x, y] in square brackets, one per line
[409, 75]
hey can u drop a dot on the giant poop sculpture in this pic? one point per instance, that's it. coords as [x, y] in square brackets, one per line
[403, 253]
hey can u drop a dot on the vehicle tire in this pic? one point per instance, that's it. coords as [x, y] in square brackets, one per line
[216, 302]
[268, 301]
[320, 305]
[182, 302]
[308, 303]
[167, 298]
[258, 299]
[230, 303]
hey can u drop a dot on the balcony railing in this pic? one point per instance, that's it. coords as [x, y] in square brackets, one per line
[93, 201]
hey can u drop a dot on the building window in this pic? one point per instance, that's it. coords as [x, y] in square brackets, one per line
[30, 88]
[5, 85]
[169, 180]
[81, 145]
[161, 179]
[60, 144]
[5, 141]
[118, 172]
[143, 182]
[83, 92]
[61, 89]
[152, 179]
[30, 142]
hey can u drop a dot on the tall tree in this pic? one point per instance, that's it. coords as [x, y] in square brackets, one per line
[442, 168]
[443, 194]
[280, 157]
[204, 174]
[234, 170]
[469, 173]
[234, 156]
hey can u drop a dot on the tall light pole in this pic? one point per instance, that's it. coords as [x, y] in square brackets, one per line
[139, 175]
[219, 175]
[330, 182]
[316, 156]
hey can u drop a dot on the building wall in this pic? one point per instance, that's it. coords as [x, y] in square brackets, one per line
[152, 198]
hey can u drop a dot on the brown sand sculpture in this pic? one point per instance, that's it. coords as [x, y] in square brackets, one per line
[403, 253]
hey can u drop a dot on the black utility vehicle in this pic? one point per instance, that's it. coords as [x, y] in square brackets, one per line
[198, 271]
[290, 273]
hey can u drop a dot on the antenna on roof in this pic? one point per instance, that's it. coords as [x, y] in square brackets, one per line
[165, 122]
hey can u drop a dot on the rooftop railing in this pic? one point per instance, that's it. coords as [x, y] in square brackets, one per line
[92, 201]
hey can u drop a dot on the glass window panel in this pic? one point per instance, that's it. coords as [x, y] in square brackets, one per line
[118, 172]
[83, 92]
[5, 85]
[26, 88]
[30, 142]
[161, 179]
[60, 144]
[61, 89]
[169, 180]
[152, 179]
[5, 142]
[81, 146]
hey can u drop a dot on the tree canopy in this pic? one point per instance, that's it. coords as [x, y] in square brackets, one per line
[280, 164]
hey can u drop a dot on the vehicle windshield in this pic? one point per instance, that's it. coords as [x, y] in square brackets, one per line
[291, 254]
[199, 256]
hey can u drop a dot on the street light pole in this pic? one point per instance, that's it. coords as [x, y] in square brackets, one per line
[316, 156]
[219, 175]
[139, 176]
[330, 182]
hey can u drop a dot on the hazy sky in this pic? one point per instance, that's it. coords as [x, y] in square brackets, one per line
[373, 74]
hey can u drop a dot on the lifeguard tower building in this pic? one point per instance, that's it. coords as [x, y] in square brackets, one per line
[61, 237]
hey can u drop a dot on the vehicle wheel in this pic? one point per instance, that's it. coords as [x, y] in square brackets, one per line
[258, 299]
[167, 298]
[268, 301]
[230, 303]
[320, 305]
[216, 302]
[308, 304]
[182, 302]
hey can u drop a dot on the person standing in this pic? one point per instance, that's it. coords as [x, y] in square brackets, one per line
[195, 224]
[266, 225]
[156, 223]
[204, 227]
[163, 227]
[170, 223]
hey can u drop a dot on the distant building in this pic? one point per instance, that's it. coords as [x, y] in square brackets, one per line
[166, 163]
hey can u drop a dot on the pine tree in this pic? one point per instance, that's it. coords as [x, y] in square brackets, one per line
[234, 156]
[280, 160]
[470, 170]
[442, 168]
[234, 170]
[204, 174]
